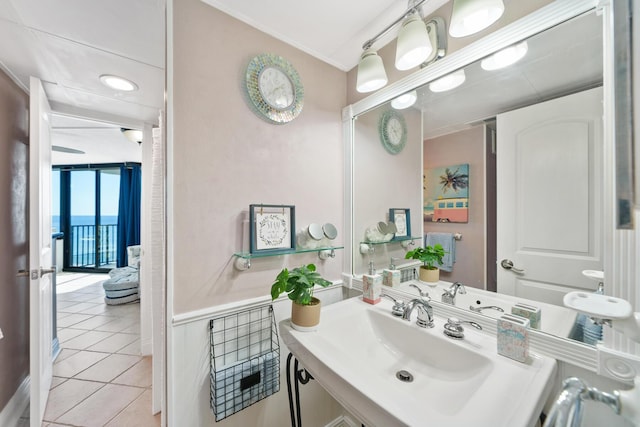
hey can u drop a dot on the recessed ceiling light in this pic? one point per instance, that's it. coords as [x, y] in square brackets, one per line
[448, 82]
[505, 57]
[118, 83]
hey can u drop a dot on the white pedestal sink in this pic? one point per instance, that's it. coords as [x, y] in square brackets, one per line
[358, 349]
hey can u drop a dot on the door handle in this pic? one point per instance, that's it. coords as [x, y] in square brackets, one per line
[22, 273]
[44, 271]
[507, 264]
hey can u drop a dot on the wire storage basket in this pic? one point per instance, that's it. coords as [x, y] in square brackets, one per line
[245, 360]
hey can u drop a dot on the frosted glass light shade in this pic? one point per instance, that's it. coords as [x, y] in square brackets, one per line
[470, 16]
[405, 101]
[413, 46]
[505, 57]
[371, 73]
[448, 82]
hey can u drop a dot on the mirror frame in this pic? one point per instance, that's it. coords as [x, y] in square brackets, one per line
[617, 255]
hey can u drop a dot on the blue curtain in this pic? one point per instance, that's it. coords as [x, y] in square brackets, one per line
[128, 211]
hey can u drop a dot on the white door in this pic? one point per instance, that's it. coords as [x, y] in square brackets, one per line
[41, 357]
[549, 196]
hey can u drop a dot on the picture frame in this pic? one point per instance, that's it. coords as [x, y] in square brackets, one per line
[401, 217]
[272, 229]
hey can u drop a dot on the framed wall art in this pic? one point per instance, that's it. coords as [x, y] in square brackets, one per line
[272, 229]
[402, 219]
[446, 194]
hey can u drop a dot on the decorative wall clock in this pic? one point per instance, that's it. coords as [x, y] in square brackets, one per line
[393, 131]
[274, 88]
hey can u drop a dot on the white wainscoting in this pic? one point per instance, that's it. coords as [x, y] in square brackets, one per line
[189, 374]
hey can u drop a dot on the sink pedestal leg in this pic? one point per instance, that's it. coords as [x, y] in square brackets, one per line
[301, 376]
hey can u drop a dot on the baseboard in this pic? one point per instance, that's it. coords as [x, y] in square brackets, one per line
[146, 347]
[14, 409]
[343, 421]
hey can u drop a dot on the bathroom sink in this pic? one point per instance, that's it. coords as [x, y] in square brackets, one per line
[358, 349]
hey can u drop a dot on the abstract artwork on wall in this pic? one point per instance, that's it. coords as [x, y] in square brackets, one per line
[446, 194]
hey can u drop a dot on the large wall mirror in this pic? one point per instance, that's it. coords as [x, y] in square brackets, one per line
[534, 204]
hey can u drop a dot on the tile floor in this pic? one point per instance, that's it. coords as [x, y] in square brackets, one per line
[99, 378]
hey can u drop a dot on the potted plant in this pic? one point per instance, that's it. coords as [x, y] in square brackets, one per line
[298, 283]
[429, 255]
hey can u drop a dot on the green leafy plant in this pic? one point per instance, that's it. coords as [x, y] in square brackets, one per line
[298, 283]
[428, 255]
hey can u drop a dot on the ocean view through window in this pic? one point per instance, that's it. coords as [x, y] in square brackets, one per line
[85, 208]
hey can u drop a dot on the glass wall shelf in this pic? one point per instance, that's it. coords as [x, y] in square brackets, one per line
[243, 259]
[368, 248]
[398, 240]
[247, 255]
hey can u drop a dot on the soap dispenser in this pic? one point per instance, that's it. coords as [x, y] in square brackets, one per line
[391, 276]
[371, 286]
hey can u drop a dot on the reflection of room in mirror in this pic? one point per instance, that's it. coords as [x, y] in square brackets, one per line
[459, 128]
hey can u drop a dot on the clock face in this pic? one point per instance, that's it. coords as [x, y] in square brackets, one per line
[276, 88]
[394, 131]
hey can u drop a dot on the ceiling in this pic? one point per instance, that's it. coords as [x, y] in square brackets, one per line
[69, 44]
[562, 60]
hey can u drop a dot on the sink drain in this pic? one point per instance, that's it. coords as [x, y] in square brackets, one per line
[404, 376]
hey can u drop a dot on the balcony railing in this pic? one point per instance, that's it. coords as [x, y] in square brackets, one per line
[83, 245]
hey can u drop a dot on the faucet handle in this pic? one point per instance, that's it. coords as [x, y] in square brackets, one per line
[398, 305]
[453, 328]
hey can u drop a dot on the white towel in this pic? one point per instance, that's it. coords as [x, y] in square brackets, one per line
[448, 242]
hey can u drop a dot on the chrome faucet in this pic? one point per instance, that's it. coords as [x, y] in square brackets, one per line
[453, 328]
[449, 295]
[425, 312]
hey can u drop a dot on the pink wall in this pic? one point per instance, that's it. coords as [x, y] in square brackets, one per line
[225, 157]
[14, 245]
[467, 146]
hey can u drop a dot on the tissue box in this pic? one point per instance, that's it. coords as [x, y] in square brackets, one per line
[528, 312]
[371, 288]
[391, 278]
[513, 337]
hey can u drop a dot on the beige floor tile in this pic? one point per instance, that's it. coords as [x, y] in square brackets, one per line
[86, 340]
[93, 323]
[102, 406]
[62, 304]
[137, 414]
[97, 299]
[133, 329]
[65, 334]
[139, 375]
[71, 320]
[56, 381]
[68, 395]
[64, 353]
[132, 309]
[109, 368]
[117, 325]
[133, 348]
[77, 308]
[76, 363]
[114, 343]
[100, 309]
[72, 297]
